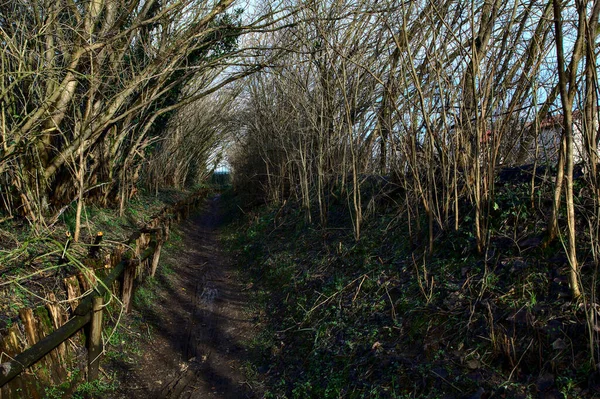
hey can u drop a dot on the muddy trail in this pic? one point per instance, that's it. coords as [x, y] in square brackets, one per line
[197, 324]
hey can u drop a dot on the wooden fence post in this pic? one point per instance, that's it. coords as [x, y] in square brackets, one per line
[86, 312]
[156, 256]
[95, 340]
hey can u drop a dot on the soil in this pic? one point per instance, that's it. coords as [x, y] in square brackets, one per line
[198, 324]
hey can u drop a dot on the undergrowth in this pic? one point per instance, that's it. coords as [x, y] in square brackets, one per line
[29, 257]
[382, 318]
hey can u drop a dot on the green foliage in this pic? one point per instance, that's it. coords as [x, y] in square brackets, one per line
[145, 295]
[120, 345]
[95, 389]
[56, 392]
[75, 389]
[60, 391]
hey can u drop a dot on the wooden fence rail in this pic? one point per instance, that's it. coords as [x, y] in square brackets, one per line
[149, 242]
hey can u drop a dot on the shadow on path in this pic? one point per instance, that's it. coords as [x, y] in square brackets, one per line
[198, 323]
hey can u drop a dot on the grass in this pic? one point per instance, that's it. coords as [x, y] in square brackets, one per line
[76, 389]
[145, 295]
[34, 257]
[124, 344]
[95, 389]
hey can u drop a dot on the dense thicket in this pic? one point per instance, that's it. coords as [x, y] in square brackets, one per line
[87, 88]
[434, 96]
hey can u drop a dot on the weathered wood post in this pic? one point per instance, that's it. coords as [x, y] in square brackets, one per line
[58, 320]
[160, 239]
[128, 283]
[95, 340]
[26, 315]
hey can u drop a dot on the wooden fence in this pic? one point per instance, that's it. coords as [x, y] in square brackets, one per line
[56, 353]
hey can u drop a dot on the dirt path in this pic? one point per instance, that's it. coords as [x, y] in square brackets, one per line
[197, 326]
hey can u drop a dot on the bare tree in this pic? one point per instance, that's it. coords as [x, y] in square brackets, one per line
[100, 82]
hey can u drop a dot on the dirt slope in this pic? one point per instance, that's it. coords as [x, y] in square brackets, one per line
[197, 326]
